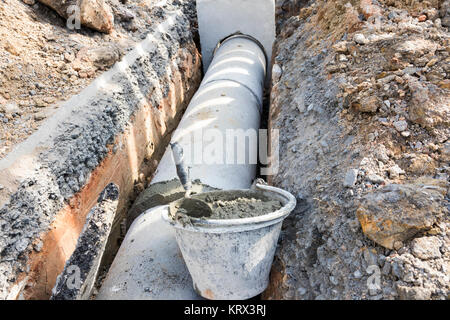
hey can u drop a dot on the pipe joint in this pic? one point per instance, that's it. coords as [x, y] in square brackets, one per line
[243, 36]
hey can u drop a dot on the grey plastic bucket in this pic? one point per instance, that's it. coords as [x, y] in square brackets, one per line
[231, 259]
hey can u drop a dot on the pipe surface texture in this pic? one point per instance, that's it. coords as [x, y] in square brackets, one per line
[223, 114]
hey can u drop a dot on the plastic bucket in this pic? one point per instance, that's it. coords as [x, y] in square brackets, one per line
[231, 259]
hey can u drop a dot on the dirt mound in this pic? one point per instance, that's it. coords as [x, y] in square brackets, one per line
[361, 100]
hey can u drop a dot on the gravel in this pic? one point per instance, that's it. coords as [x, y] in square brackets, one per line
[325, 246]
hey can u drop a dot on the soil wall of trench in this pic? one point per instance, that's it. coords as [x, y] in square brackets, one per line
[360, 96]
[113, 133]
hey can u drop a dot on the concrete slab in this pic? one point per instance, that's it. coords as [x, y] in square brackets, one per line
[149, 264]
[218, 19]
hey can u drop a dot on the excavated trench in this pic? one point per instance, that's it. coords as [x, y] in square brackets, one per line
[69, 188]
[74, 188]
[227, 89]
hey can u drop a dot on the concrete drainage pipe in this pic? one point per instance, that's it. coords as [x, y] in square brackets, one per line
[226, 107]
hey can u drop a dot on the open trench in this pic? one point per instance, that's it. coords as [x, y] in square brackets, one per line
[113, 151]
[234, 83]
[222, 94]
[73, 190]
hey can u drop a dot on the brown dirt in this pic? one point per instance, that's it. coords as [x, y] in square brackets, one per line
[43, 63]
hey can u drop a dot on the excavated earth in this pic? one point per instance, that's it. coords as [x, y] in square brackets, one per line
[43, 63]
[361, 98]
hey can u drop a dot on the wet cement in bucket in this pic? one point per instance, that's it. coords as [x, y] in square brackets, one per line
[224, 205]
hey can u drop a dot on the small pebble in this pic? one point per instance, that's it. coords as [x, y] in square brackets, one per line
[374, 178]
[406, 134]
[360, 38]
[350, 178]
[401, 125]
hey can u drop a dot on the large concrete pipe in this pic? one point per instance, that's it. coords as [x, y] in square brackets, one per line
[218, 19]
[225, 110]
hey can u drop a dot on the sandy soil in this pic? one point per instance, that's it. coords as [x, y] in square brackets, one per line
[43, 63]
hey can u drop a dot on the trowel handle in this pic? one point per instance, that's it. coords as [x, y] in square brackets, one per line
[182, 169]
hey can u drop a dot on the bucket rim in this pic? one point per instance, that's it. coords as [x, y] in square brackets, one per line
[266, 219]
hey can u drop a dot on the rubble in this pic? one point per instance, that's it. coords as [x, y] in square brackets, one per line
[399, 212]
[43, 62]
[95, 14]
[377, 197]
